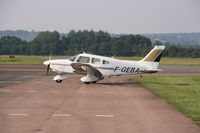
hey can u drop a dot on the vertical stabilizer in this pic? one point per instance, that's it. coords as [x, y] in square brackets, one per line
[152, 59]
[154, 55]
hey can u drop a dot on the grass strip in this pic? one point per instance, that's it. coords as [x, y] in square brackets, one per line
[4, 59]
[181, 92]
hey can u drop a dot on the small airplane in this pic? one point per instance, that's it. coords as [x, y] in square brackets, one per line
[96, 67]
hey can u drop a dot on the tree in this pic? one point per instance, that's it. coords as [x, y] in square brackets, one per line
[45, 43]
[172, 51]
[12, 45]
[99, 42]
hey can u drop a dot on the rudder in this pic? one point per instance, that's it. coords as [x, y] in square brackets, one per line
[154, 55]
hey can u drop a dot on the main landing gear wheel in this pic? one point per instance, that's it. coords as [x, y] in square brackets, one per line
[58, 81]
[87, 82]
[93, 82]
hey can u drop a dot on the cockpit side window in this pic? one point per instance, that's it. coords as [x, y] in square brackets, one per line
[96, 61]
[105, 62]
[73, 58]
[83, 59]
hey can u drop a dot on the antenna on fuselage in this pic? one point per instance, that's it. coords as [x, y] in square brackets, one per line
[50, 55]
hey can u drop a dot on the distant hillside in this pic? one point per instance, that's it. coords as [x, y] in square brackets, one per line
[24, 35]
[99, 42]
[172, 38]
[176, 38]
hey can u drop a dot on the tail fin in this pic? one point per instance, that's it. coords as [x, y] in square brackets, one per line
[155, 54]
[152, 59]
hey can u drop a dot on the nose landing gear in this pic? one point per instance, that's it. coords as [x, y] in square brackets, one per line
[58, 81]
[59, 78]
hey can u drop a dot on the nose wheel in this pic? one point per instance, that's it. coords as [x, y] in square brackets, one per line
[59, 78]
[58, 81]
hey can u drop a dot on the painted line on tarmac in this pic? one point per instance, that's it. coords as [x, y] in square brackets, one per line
[61, 115]
[109, 92]
[104, 115]
[2, 75]
[10, 81]
[31, 91]
[28, 91]
[18, 114]
[83, 92]
[37, 82]
[30, 76]
[7, 90]
[35, 70]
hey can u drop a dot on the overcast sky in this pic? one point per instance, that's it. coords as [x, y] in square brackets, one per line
[113, 16]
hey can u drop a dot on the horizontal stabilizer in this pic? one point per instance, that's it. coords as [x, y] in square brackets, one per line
[150, 70]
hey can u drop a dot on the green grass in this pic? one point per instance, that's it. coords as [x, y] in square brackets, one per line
[39, 59]
[4, 59]
[171, 61]
[22, 60]
[181, 61]
[182, 92]
[129, 58]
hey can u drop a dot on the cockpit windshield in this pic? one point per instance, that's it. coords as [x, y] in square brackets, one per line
[73, 58]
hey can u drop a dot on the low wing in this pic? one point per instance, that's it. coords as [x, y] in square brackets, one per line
[87, 69]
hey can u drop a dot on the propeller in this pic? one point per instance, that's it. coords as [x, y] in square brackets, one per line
[48, 66]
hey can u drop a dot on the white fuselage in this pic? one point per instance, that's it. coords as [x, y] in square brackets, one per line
[97, 67]
[107, 66]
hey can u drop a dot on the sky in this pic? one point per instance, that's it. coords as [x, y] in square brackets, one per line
[113, 16]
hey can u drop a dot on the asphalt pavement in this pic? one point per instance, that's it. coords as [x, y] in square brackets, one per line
[30, 101]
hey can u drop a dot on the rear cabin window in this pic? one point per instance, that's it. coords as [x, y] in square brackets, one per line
[105, 62]
[96, 61]
[83, 59]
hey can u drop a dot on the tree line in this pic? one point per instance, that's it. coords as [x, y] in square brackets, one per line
[100, 43]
